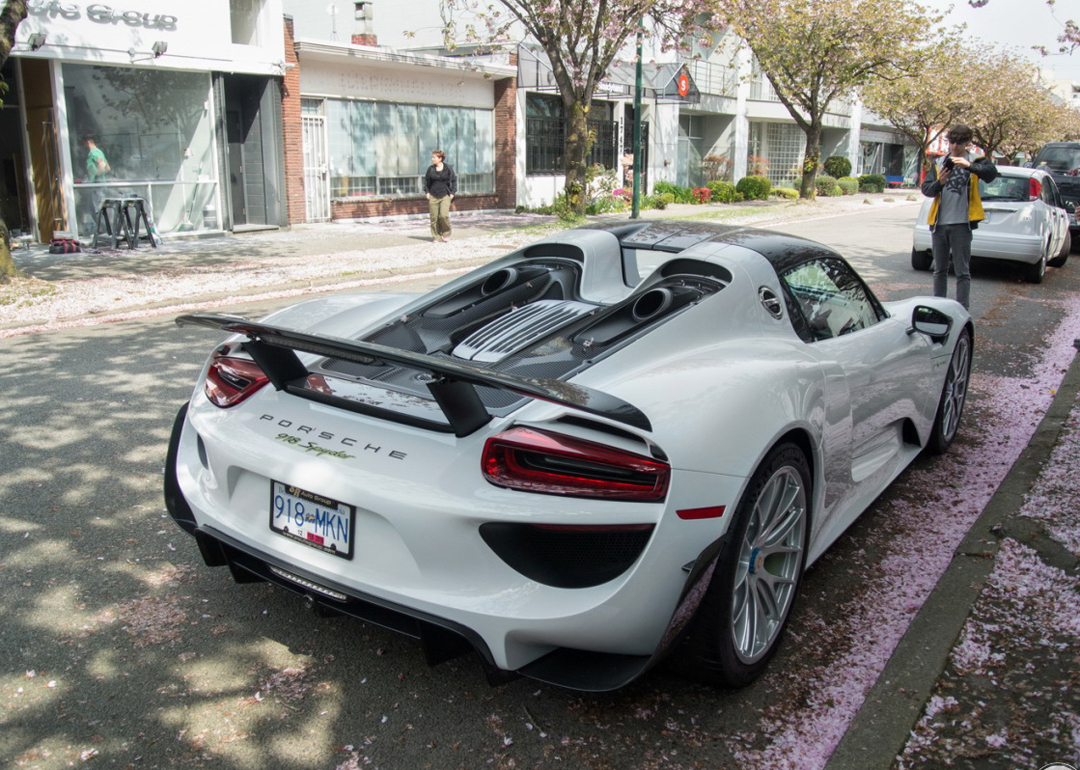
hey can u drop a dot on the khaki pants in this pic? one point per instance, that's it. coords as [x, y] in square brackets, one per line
[440, 216]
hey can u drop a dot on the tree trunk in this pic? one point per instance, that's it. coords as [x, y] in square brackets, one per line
[7, 262]
[12, 12]
[578, 143]
[808, 184]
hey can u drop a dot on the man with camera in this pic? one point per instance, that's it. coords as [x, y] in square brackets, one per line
[956, 211]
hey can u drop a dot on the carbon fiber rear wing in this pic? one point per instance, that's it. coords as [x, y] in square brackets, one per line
[453, 386]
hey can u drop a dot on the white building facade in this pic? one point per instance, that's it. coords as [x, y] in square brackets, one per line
[183, 98]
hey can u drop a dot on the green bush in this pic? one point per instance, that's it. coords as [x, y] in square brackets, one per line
[604, 205]
[754, 188]
[871, 183]
[787, 193]
[678, 194]
[849, 184]
[661, 201]
[826, 186]
[722, 192]
[837, 166]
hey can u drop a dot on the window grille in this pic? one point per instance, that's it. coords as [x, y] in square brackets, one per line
[545, 140]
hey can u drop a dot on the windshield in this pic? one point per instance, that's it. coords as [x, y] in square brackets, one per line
[1061, 160]
[1005, 188]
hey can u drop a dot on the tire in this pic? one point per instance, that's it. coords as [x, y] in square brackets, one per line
[1036, 272]
[758, 572]
[953, 395]
[922, 260]
[1063, 255]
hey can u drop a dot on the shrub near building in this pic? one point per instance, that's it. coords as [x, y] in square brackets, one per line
[724, 192]
[754, 188]
[871, 183]
[837, 166]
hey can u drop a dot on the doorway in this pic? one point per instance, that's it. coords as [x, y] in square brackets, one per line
[44, 148]
[14, 203]
[252, 165]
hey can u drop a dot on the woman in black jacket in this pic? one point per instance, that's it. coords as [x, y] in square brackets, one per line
[440, 186]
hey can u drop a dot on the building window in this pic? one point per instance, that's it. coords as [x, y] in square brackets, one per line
[776, 151]
[155, 132]
[245, 17]
[545, 135]
[380, 148]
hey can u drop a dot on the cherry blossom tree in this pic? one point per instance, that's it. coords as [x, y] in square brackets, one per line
[923, 103]
[1012, 111]
[815, 52]
[581, 39]
[12, 12]
[1001, 100]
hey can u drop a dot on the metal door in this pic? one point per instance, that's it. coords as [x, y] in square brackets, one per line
[316, 170]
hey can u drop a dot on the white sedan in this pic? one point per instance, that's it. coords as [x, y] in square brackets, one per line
[575, 457]
[1026, 221]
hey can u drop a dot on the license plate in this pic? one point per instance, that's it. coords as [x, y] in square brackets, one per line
[320, 522]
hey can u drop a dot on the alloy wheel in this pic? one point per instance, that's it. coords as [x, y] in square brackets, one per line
[770, 561]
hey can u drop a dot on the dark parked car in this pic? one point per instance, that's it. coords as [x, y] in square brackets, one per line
[1062, 159]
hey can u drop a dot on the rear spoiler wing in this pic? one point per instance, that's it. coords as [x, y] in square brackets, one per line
[453, 386]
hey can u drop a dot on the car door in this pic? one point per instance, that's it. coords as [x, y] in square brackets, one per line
[1059, 215]
[877, 375]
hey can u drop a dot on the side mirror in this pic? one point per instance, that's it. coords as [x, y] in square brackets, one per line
[931, 322]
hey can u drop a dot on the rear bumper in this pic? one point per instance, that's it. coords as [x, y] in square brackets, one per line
[441, 638]
[984, 245]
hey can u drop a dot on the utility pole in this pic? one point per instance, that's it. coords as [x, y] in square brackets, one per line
[635, 206]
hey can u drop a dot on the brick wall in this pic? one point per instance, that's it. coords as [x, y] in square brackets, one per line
[292, 133]
[506, 141]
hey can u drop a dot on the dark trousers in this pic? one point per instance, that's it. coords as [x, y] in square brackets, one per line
[952, 241]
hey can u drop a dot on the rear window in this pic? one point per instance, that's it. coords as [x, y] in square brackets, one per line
[1061, 160]
[1005, 188]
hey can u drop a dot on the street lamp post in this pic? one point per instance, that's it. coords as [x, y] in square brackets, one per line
[635, 207]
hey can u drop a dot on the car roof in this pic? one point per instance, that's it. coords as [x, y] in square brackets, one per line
[1020, 171]
[783, 251]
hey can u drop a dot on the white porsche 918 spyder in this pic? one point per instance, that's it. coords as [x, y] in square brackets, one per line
[574, 457]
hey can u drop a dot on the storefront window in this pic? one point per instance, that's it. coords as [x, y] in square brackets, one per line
[379, 148]
[153, 128]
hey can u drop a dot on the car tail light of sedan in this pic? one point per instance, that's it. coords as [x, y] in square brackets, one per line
[548, 463]
[1034, 189]
[231, 379]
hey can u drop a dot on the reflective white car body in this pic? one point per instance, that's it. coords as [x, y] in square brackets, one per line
[1026, 221]
[691, 351]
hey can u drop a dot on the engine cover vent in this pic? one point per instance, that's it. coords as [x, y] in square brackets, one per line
[520, 328]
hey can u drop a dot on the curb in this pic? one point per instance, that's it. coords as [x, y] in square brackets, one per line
[883, 724]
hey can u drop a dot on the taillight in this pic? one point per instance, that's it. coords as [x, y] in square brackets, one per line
[1034, 189]
[537, 461]
[230, 380]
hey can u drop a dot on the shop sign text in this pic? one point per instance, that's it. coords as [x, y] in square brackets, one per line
[100, 13]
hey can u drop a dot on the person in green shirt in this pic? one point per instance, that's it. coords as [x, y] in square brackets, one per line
[97, 171]
[97, 167]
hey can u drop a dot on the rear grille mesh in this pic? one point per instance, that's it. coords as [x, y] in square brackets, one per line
[520, 329]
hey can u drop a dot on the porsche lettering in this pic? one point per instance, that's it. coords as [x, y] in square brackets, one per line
[310, 431]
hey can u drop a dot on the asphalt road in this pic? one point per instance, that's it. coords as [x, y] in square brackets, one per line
[120, 649]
